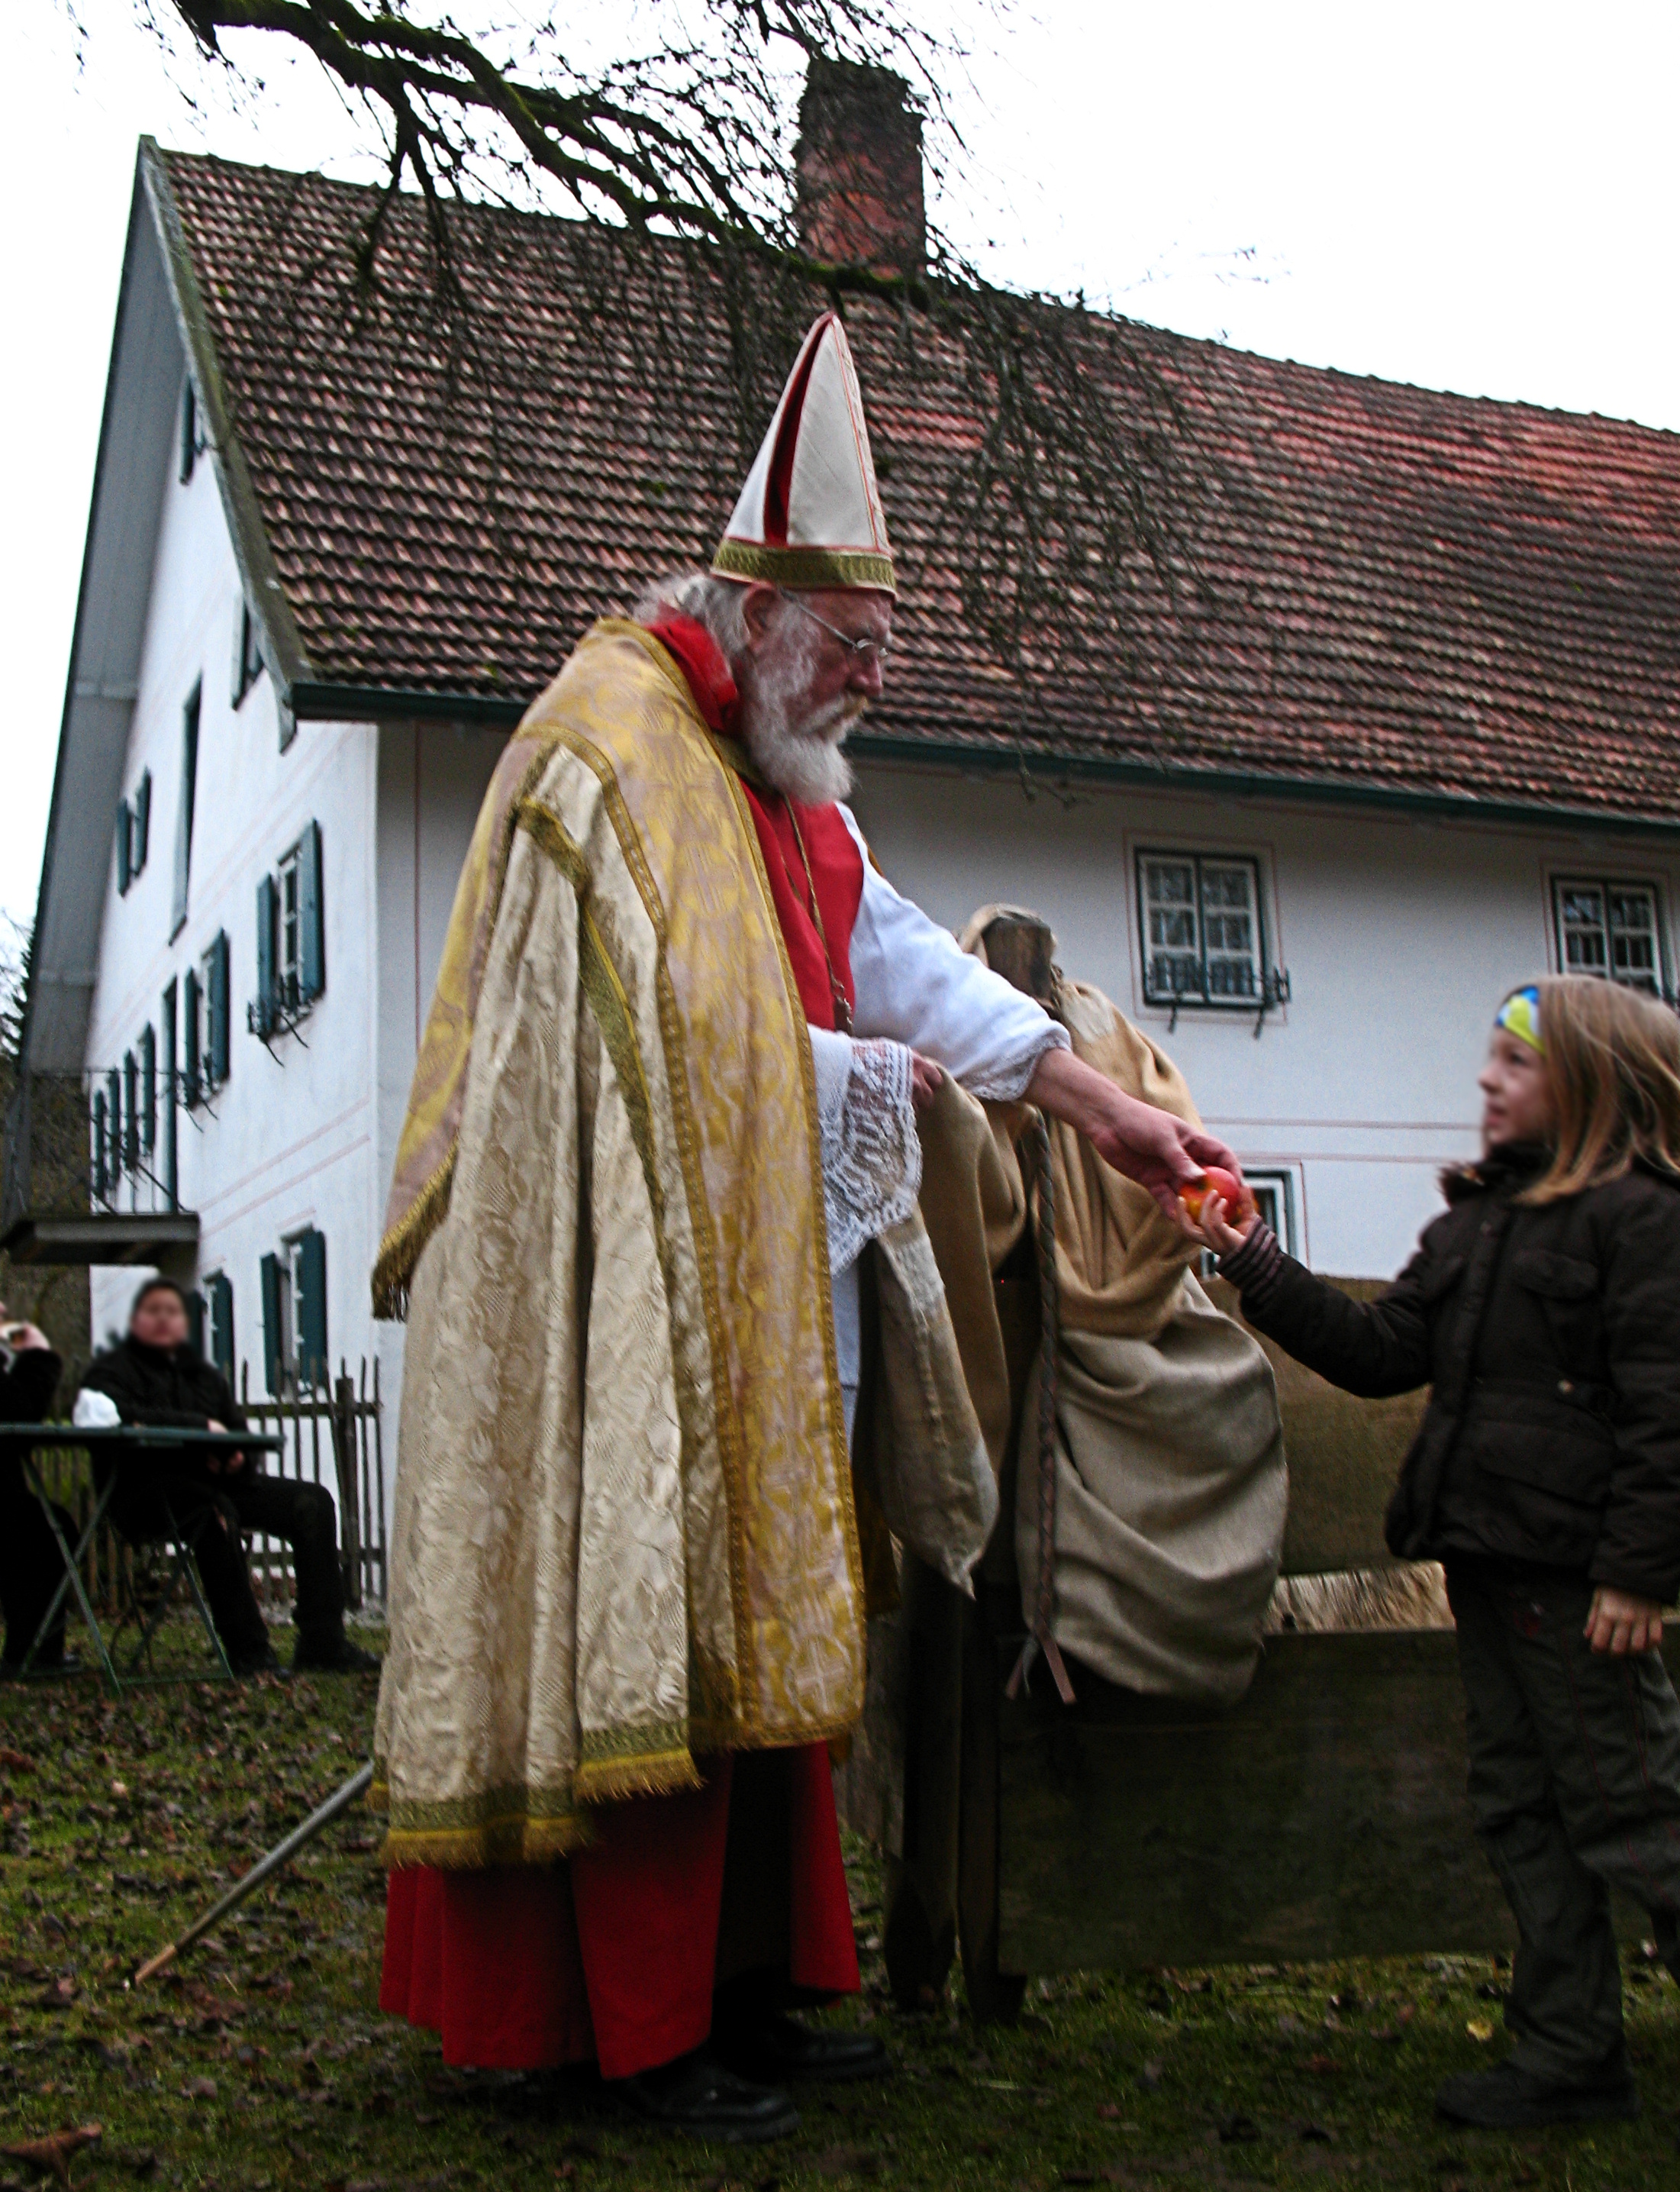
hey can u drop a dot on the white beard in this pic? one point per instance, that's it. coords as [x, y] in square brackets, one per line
[797, 749]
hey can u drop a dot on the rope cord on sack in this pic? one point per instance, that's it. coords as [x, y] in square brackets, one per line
[1041, 1625]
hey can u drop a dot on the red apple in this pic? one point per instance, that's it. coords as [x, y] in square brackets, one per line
[1215, 1180]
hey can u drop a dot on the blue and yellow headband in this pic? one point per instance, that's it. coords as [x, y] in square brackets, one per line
[1520, 1015]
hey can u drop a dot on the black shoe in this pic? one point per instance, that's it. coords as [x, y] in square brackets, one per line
[1506, 2099]
[773, 2048]
[245, 1664]
[696, 2095]
[338, 1656]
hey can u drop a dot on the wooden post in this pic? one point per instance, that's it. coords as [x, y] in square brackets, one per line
[350, 1509]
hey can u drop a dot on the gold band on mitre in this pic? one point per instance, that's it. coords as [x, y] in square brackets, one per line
[804, 567]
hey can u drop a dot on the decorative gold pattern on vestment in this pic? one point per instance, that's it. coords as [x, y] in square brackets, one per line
[624, 1527]
[804, 567]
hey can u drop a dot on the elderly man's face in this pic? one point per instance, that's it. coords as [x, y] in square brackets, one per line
[803, 687]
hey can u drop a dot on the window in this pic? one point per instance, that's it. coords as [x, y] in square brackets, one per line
[148, 1125]
[139, 826]
[291, 946]
[206, 989]
[192, 439]
[294, 1314]
[1610, 929]
[131, 1113]
[1203, 940]
[183, 816]
[217, 1343]
[247, 659]
[102, 1181]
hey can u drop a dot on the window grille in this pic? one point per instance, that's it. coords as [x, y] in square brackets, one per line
[1613, 930]
[1203, 938]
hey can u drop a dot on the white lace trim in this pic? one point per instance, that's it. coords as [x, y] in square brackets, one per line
[1009, 1086]
[872, 1161]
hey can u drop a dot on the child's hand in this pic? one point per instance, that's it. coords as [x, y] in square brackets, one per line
[1214, 1227]
[1619, 1623]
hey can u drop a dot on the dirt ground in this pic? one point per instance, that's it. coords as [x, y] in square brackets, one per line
[265, 2062]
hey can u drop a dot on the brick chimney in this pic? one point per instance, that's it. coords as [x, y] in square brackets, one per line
[858, 194]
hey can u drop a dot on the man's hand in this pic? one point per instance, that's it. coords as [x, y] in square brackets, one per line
[1619, 1623]
[1152, 1147]
[926, 1080]
[214, 1462]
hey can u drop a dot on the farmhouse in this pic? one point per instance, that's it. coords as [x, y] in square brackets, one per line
[1394, 720]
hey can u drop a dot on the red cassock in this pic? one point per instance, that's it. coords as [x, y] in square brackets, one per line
[614, 1954]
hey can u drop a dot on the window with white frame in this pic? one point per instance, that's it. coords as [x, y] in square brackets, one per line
[1204, 940]
[1610, 929]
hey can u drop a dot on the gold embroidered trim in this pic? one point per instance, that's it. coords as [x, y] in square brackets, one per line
[658, 1774]
[804, 567]
[513, 1841]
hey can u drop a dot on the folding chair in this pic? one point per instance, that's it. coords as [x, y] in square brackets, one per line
[173, 1543]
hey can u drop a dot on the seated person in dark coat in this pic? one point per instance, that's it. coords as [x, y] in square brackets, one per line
[30, 1562]
[155, 1376]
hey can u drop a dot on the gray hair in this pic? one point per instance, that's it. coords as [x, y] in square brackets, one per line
[716, 603]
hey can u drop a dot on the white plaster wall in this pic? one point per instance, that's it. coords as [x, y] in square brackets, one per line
[1400, 938]
[432, 780]
[288, 1140]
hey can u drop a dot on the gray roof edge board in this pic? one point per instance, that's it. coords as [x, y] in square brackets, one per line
[93, 731]
[282, 644]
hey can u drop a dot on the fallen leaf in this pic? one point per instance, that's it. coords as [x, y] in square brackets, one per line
[1107, 2111]
[119, 1788]
[199, 2089]
[17, 1761]
[1480, 2029]
[58, 1993]
[1323, 2065]
[1238, 2129]
[52, 2156]
[1151, 2073]
[1315, 2134]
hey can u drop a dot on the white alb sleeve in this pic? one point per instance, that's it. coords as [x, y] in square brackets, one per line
[916, 987]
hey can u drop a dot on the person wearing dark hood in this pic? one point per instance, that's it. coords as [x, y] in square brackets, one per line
[1543, 1310]
[30, 1562]
[155, 1376]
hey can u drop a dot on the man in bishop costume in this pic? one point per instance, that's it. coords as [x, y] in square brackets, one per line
[661, 1143]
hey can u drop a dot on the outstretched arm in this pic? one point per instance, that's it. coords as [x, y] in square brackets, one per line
[1161, 1153]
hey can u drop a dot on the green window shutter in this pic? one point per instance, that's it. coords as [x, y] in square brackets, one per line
[125, 838]
[189, 431]
[218, 1028]
[267, 908]
[171, 1096]
[113, 1121]
[140, 842]
[183, 814]
[312, 937]
[221, 1324]
[131, 1112]
[272, 1357]
[101, 1180]
[312, 1308]
[148, 1091]
[194, 1073]
[195, 1321]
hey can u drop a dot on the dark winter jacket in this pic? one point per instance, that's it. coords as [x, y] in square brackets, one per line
[155, 1385]
[29, 1377]
[1551, 1336]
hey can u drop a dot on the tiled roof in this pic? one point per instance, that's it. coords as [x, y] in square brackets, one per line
[1388, 589]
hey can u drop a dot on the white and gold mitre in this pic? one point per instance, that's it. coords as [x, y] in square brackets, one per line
[811, 513]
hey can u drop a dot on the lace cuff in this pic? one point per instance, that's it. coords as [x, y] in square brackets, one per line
[872, 1161]
[1007, 1085]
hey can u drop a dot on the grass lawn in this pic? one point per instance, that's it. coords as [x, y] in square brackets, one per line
[265, 2063]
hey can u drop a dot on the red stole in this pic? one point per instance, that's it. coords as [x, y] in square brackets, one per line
[836, 865]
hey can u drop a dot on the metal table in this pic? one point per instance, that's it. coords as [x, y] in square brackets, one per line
[122, 1439]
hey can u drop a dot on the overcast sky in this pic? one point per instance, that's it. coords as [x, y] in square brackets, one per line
[1477, 196]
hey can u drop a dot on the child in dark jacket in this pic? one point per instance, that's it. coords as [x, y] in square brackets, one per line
[1543, 1310]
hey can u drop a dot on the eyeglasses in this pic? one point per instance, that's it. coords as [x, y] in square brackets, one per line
[864, 649]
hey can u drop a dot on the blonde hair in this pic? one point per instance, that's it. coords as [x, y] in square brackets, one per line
[1613, 1071]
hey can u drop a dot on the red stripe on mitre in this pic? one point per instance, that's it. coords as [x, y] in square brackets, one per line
[778, 486]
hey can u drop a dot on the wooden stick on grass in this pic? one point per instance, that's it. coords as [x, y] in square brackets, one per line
[281, 1853]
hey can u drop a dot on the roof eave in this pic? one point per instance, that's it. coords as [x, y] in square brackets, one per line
[281, 641]
[318, 700]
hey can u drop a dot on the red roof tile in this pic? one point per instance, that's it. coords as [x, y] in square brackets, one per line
[1390, 589]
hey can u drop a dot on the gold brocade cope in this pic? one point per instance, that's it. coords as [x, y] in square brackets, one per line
[624, 1529]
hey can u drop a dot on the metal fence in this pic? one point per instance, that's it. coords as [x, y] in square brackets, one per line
[334, 1435]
